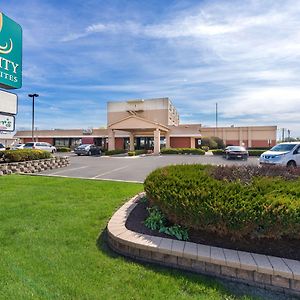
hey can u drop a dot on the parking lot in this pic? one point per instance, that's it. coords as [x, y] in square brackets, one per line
[132, 169]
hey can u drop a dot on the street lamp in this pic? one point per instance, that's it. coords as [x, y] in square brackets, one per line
[32, 128]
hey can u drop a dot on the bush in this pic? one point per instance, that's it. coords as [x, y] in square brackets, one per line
[219, 141]
[131, 153]
[25, 155]
[209, 142]
[217, 152]
[193, 151]
[205, 148]
[139, 152]
[262, 207]
[113, 152]
[63, 149]
[256, 152]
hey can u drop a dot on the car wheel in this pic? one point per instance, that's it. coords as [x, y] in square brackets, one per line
[227, 156]
[291, 164]
[89, 153]
[52, 151]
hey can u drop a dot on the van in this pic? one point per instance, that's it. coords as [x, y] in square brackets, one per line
[283, 154]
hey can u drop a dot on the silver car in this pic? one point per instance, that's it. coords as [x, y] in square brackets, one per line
[40, 146]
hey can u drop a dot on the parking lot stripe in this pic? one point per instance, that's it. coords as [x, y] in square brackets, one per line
[62, 171]
[85, 178]
[111, 171]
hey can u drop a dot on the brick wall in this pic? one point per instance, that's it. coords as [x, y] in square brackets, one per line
[180, 142]
[119, 143]
[87, 140]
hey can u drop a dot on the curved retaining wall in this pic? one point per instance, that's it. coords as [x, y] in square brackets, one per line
[34, 166]
[255, 269]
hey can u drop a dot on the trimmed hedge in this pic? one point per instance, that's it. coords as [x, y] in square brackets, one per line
[63, 149]
[217, 152]
[25, 155]
[114, 152]
[256, 152]
[191, 196]
[137, 152]
[182, 151]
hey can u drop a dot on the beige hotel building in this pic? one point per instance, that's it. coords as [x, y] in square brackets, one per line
[151, 124]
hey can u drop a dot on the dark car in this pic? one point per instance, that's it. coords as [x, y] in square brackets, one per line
[87, 149]
[237, 152]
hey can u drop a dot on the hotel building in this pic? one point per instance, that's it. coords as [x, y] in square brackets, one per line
[151, 124]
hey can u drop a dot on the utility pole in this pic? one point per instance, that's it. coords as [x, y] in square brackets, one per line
[217, 115]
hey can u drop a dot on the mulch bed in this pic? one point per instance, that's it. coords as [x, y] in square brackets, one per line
[283, 248]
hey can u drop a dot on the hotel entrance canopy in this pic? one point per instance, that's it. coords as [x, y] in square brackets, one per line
[135, 125]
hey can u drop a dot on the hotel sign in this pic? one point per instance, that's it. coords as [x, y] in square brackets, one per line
[7, 123]
[10, 53]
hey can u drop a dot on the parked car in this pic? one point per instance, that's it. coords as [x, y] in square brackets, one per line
[236, 152]
[40, 146]
[17, 146]
[284, 154]
[2, 147]
[87, 149]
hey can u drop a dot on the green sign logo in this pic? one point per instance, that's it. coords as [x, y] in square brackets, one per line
[10, 53]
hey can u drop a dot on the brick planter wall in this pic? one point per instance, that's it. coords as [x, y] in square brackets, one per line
[34, 166]
[263, 271]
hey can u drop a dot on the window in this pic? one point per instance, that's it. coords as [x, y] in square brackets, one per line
[64, 142]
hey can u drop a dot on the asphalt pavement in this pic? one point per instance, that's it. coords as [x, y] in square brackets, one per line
[132, 169]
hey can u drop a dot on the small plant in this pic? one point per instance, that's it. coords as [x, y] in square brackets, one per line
[158, 221]
[143, 199]
[131, 153]
[176, 230]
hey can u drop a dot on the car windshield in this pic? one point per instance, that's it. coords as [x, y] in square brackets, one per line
[83, 145]
[2, 146]
[236, 148]
[28, 145]
[283, 147]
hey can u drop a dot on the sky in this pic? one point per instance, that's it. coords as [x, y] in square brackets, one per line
[77, 55]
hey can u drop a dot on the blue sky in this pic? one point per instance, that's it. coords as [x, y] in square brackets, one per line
[77, 55]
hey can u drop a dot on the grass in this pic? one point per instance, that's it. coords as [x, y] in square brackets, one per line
[50, 247]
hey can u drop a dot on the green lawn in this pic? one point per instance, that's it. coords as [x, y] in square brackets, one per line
[49, 246]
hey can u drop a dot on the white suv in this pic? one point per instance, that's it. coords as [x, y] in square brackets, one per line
[2, 147]
[285, 154]
[40, 146]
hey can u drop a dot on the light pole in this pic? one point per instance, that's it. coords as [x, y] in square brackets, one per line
[32, 128]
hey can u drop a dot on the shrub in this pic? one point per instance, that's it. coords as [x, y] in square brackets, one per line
[1, 154]
[131, 153]
[113, 152]
[139, 152]
[205, 148]
[209, 142]
[219, 141]
[169, 151]
[217, 152]
[245, 174]
[265, 206]
[25, 155]
[63, 149]
[194, 151]
[256, 152]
